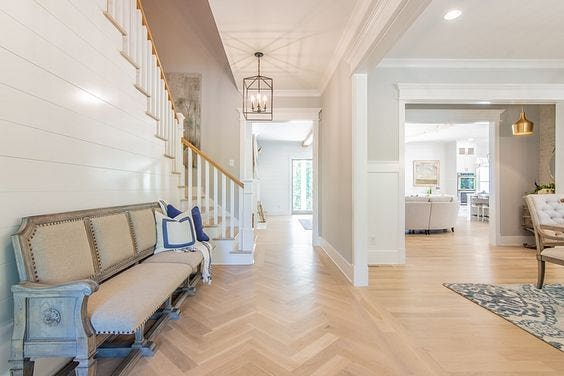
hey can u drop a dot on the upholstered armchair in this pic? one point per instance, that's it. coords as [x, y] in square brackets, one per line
[547, 213]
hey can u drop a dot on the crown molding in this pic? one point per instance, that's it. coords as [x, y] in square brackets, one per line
[384, 23]
[347, 37]
[473, 63]
[297, 93]
[470, 93]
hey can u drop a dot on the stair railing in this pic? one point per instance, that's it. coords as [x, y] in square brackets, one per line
[139, 50]
[227, 189]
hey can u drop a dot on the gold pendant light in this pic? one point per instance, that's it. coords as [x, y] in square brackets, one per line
[523, 126]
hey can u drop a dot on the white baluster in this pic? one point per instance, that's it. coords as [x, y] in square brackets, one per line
[240, 218]
[118, 12]
[132, 31]
[199, 180]
[223, 204]
[207, 188]
[125, 23]
[231, 208]
[111, 8]
[215, 201]
[190, 173]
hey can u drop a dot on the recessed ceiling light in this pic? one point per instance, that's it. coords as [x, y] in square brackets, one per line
[452, 14]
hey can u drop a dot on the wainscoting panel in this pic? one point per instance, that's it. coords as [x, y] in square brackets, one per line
[384, 230]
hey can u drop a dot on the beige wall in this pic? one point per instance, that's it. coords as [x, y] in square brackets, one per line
[335, 159]
[187, 41]
[73, 129]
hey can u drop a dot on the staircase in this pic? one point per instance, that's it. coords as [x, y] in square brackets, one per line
[224, 200]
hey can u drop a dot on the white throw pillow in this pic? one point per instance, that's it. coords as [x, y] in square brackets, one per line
[174, 234]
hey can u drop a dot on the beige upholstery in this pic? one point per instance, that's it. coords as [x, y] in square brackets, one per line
[114, 243]
[144, 228]
[124, 302]
[443, 215]
[61, 252]
[417, 215]
[192, 259]
[556, 252]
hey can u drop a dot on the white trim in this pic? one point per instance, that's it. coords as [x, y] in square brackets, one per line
[516, 240]
[473, 93]
[384, 23]
[297, 93]
[348, 36]
[386, 257]
[296, 113]
[359, 183]
[383, 166]
[473, 63]
[344, 266]
[5, 344]
[315, 188]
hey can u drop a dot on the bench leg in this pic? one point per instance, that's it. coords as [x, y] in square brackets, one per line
[86, 367]
[147, 347]
[540, 278]
[22, 367]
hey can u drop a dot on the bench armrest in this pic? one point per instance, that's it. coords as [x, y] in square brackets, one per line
[554, 228]
[84, 287]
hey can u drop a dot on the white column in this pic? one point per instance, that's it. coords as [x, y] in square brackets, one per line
[215, 197]
[360, 156]
[223, 204]
[199, 180]
[559, 157]
[246, 226]
[231, 208]
[207, 191]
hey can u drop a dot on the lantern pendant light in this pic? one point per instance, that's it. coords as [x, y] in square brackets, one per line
[523, 126]
[258, 95]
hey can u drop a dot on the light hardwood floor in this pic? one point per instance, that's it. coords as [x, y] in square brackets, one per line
[294, 313]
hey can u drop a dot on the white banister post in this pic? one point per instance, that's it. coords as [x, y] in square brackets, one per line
[246, 229]
[179, 147]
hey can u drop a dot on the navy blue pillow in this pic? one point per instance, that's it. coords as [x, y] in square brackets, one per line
[198, 225]
[171, 211]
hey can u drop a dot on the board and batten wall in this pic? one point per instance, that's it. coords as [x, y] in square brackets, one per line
[275, 174]
[73, 129]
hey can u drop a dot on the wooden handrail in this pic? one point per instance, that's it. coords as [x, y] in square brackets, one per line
[150, 37]
[187, 143]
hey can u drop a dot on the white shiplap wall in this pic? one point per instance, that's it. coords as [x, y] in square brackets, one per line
[73, 129]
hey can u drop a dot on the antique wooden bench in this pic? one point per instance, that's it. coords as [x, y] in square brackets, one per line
[89, 277]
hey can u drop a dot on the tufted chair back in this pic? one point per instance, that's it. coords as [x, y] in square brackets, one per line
[546, 209]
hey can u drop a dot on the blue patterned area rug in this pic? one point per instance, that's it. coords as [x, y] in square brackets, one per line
[539, 312]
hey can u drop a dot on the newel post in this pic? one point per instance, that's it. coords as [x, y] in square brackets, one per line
[247, 231]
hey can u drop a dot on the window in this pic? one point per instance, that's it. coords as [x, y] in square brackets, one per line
[302, 190]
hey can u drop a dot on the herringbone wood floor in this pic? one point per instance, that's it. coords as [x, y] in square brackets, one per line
[293, 313]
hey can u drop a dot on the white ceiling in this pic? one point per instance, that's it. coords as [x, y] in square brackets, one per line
[286, 131]
[487, 29]
[446, 132]
[299, 38]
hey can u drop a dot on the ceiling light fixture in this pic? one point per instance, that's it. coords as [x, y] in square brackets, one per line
[257, 95]
[523, 126]
[452, 14]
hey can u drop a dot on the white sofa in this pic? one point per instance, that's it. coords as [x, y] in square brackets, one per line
[430, 213]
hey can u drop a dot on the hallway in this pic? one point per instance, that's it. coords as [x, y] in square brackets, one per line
[294, 313]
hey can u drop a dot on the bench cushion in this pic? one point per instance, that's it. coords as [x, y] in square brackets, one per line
[61, 252]
[113, 240]
[144, 228]
[124, 302]
[191, 259]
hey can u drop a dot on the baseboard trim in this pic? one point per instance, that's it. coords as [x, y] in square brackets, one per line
[386, 257]
[5, 342]
[516, 240]
[344, 266]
